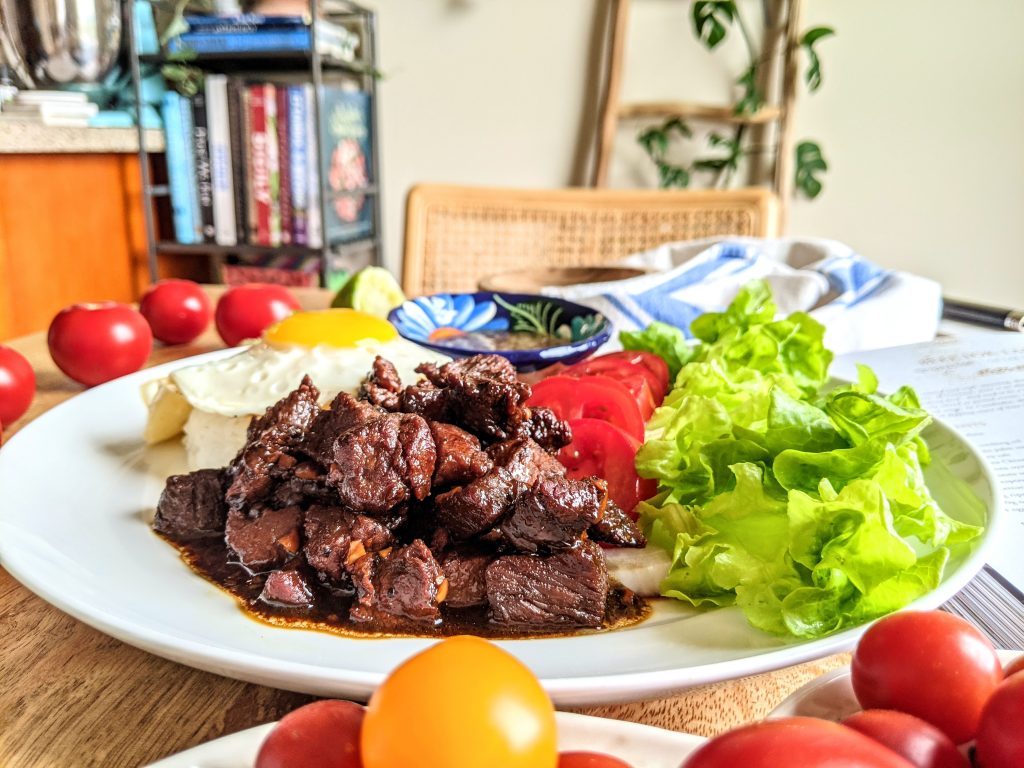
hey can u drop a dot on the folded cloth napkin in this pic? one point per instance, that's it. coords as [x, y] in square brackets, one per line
[861, 305]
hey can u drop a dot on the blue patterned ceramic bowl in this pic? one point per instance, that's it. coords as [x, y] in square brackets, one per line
[464, 324]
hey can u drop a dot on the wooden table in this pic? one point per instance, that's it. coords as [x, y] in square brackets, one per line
[71, 696]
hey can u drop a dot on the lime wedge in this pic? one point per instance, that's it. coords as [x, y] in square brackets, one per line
[372, 290]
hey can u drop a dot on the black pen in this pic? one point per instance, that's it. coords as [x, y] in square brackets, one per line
[994, 317]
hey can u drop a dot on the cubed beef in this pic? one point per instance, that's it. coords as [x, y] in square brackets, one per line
[335, 538]
[547, 430]
[270, 439]
[459, 458]
[553, 513]
[265, 541]
[344, 413]
[383, 462]
[407, 583]
[525, 460]
[383, 386]
[192, 506]
[467, 583]
[477, 507]
[288, 588]
[567, 589]
[617, 528]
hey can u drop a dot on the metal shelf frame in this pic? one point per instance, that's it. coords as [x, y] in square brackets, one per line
[317, 65]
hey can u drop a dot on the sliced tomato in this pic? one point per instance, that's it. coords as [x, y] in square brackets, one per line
[625, 364]
[590, 397]
[601, 448]
[637, 385]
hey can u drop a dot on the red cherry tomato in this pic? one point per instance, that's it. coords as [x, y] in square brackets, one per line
[324, 734]
[94, 343]
[800, 742]
[921, 743]
[589, 760]
[602, 449]
[1000, 741]
[1015, 666]
[620, 365]
[592, 397]
[17, 386]
[930, 664]
[177, 310]
[245, 311]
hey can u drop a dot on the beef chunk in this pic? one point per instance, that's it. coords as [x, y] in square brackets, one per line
[383, 386]
[425, 399]
[344, 413]
[475, 508]
[568, 589]
[547, 430]
[486, 366]
[383, 462]
[525, 460]
[467, 585]
[335, 538]
[192, 506]
[302, 486]
[265, 541]
[407, 582]
[269, 440]
[459, 458]
[287, 588]
[553, 513]
[616, 527]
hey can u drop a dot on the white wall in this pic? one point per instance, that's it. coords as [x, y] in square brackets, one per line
[920, 116]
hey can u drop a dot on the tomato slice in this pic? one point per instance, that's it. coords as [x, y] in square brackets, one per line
[591, 397]
[601, 448]
[626, 365]
[638, 387]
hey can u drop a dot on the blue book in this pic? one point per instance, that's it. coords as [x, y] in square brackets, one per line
[346, 156]
[179, 154]
[298, 161]
[247, 42]
[243, 22]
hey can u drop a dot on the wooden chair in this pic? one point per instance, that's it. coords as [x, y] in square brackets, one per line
[454, 236]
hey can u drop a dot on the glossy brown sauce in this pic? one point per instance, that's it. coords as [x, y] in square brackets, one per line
[210, 559]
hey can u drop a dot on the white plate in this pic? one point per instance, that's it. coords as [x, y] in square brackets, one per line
[77, 490]
[640, 745]
[831, 697]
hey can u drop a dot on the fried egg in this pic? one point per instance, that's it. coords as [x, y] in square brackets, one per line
[213, 402]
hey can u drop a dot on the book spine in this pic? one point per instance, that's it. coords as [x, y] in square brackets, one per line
[238, 119]
[185, 106]
[298, 150]
[254, 20]
[249, 42]
[260, 157]
[273, 163]
[177, 168]
[315, 221]
[221, 164]
[284, 161]
[204, 177]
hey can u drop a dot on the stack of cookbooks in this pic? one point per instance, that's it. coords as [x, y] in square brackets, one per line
[66, 108]
[254, 33]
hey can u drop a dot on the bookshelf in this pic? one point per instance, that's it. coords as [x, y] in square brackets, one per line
[336, 254]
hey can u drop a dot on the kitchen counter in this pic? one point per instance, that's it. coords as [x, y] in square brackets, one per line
[22, 137]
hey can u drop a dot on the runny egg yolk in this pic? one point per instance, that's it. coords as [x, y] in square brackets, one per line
[340, 328]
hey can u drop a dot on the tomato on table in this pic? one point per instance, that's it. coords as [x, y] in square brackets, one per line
[924, 745]
[1000, 740]
[17, 386]
[591, 397]
[462, 703]
[94, 343]
[1015, 666]
[589, 760]
[627, 364]
[799, 742]
[177, 311]
[930, 664]
[323, 734]
[246, 311]
[602, 449]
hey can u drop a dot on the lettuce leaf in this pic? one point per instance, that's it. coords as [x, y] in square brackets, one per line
[805, 508]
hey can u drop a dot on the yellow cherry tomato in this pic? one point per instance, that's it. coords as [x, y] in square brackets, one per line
[462, 703]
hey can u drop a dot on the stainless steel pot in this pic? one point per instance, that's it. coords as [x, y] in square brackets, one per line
[55, 42]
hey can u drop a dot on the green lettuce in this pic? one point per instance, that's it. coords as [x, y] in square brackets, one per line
[805, 508]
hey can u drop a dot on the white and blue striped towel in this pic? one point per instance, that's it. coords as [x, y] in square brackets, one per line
[862, 305]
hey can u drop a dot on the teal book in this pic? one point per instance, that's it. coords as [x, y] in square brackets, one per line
[346, 155]
[178, 140]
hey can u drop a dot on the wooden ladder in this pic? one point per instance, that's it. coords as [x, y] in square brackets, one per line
[781, 45]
